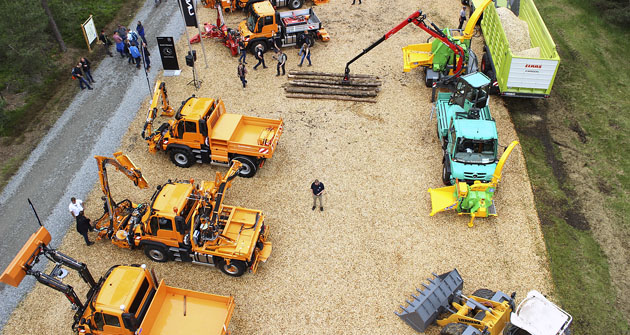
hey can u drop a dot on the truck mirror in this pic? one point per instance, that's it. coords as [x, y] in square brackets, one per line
[130, 322]
[180, 223]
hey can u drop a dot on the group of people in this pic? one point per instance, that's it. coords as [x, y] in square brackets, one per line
[280, 57]
[81, 72]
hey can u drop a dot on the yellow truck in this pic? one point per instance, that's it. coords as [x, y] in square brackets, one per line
[126, 300]
[185, 222]
[202, 131]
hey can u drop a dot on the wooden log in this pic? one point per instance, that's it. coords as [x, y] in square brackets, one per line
[308, 84]
[336, 82]
[352, 93]
[339, 75]
[329, 97]
[339, 79]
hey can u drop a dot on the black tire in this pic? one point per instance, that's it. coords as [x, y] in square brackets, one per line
[236, 268]
[484, 293]
[181, 157]
[511, 329]
[453, 329]
[446, 172]
[255, 44]
[249, 167]
[295, 4]
[156, 253]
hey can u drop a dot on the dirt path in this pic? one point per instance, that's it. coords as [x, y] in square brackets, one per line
[344, 270]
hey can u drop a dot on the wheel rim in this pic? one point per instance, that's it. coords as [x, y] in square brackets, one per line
[295, 3]
[245, 169]
[156, 255]
[181, 158]
[231, 269]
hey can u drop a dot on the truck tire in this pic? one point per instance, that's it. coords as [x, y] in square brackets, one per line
[511, 329]
[453, 329]
[484, 293]
[295, 4]
[156, 253]
[255, 44]
[181, 157]
[249, 167]
[236, 268]
[446, 171]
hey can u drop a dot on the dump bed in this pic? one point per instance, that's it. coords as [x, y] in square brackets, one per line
[299, 20]
[246, 135]
[520, 76]
[179, 311]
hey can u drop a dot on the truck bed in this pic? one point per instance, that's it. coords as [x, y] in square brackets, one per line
[179, 311]
[242, 133]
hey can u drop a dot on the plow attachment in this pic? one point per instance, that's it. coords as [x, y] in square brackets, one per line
[424, 308]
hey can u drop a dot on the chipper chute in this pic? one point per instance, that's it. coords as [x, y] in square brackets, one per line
[424, 309]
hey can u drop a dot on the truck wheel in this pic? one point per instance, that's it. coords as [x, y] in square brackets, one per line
[308, 39]
[511, 329]
[453, 329]
[156, 253]
[236, 268]
[254, 45]
[484, 293]
[295, 4]
[249, 168]
[446, 172]
[182, 158]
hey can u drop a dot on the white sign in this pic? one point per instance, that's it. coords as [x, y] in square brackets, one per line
[90, 30]
[531, 73]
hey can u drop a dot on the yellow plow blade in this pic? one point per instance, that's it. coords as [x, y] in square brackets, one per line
[442, 199]
[415, 55]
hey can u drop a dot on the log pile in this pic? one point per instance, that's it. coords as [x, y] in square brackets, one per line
[321, 85]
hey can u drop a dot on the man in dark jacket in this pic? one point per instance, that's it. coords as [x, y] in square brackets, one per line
[140, 30]
[106, 42]
[260, 56]
[83, 227]
[77, 74]
[85, 66]
[281, 57]
[318, 191]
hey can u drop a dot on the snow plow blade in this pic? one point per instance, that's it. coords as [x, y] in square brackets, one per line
[436, 297]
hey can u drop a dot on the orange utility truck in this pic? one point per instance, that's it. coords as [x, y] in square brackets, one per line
[201, 131]
[127, 300]
[185, 222]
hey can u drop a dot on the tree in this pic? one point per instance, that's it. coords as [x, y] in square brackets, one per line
[53, 26]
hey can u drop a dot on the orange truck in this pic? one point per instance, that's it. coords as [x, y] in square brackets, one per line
[185, 222]
[202, 131]
[127, 300]
[232, 5]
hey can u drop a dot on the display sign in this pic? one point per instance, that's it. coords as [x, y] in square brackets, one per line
[531, 73]
[89, 31]
[188, 9]
[166, 45]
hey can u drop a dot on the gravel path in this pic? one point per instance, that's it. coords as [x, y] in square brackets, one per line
[62, 166]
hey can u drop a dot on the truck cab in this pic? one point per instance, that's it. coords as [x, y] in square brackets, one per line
[467, 131]
[261, 21]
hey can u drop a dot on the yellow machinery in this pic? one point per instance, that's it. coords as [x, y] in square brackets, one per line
[232, 5]
[126, 300]
[202, 131]
[474, 200]
[187, 222]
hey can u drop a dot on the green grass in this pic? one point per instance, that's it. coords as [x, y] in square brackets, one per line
[590, 91]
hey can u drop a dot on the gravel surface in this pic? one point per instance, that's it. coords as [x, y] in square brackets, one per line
[62, 165]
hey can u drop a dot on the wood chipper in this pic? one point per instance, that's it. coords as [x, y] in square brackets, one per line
[126, 300]
[485, 312]
[474, 200]
[187, 222]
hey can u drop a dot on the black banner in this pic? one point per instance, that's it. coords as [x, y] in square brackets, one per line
[189, 12]
[167, 53]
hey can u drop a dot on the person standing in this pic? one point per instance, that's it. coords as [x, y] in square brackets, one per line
[85, 66]
[260, 56]
[242, 49]
[318, 191]
[140, 30]
[146, 54]
[305, 52]
[132, 37]
[281, 57]
[83, 223]
[120, 44]
[77, 74]
[242, 72]
[135, 53]
[106, 42]
[462, 17]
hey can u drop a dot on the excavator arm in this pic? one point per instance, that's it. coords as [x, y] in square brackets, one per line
[153, 137]
[123, 164]
[418, 19]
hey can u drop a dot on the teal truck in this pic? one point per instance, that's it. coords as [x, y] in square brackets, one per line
[512, 75]
[467, 131]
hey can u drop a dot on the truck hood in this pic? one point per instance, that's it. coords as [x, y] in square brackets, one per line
[243, 30]
[481, 172]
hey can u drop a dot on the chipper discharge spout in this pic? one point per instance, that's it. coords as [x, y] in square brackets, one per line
[436, 298]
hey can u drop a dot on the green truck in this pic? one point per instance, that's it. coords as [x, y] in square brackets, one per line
[467, 131]
[512, 75]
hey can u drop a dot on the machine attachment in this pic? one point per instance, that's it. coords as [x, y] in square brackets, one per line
[436, 298]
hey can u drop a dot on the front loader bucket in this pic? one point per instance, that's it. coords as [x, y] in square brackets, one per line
[436, 297]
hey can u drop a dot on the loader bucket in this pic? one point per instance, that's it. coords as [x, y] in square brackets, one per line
[437, 296]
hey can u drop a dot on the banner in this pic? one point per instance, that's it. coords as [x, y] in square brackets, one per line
[166, 45]
[188, 10]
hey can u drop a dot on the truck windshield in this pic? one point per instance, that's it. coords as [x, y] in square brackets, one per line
[251, 21]
[475, 151]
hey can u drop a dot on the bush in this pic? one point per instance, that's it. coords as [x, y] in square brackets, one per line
[615, 11]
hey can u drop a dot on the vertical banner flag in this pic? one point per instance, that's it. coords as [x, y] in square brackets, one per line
[189, 12]
[167, 53]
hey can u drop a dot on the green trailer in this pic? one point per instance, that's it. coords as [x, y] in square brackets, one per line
[512, 75]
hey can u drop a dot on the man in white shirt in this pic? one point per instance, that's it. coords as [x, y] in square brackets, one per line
[76, 207]
[83, 223]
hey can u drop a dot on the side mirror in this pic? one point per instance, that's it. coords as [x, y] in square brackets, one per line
[130, 321]
[180, 223]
